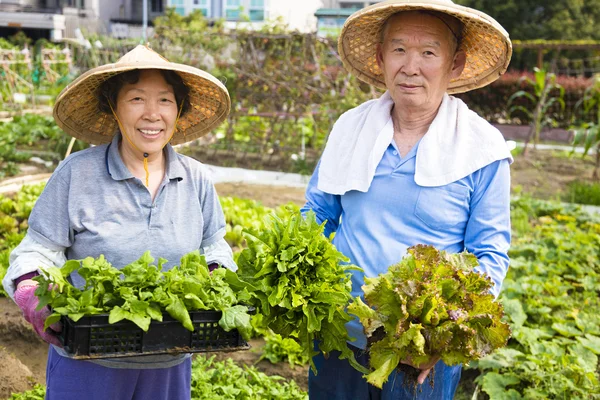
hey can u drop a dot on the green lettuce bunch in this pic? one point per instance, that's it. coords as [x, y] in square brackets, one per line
[299, 283]
[431, 304]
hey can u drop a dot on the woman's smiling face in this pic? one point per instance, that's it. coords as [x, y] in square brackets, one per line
[147, 111]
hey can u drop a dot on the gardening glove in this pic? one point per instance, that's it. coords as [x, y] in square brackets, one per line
[28, 302]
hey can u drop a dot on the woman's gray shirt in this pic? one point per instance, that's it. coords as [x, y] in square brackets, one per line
[93, 205]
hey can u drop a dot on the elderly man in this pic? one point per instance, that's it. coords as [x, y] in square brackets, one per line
[414, 166]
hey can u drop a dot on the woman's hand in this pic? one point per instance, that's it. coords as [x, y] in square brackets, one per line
[28, 302]
[425, 368]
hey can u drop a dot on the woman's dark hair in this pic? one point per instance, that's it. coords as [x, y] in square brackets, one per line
[109, 89]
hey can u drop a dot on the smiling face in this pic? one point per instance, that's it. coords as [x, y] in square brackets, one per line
[147, 110]
[418, 59]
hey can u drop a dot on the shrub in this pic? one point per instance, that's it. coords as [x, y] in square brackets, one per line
[584, 193]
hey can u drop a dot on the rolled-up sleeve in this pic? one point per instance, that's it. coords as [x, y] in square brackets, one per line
[488, 233]
[30, 256]
[327, 207]
[212, 214]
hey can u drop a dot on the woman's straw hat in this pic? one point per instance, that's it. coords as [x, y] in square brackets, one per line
[76, 110]
[486, 43]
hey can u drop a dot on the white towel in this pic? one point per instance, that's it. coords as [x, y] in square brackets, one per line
[458, 143]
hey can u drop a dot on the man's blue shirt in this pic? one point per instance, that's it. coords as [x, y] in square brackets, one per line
[374, 229]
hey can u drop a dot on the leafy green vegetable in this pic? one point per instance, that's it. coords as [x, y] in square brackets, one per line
[299, 283]
[431, 304]
[37, 393]
[13, 222]
[141, 291]
[212, 380]
[278, 349]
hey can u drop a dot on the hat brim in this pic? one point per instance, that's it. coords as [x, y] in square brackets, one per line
[76, 109]
[486, 43]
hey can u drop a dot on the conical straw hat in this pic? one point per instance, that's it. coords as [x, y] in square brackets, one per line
[76, 110]
[485, 42]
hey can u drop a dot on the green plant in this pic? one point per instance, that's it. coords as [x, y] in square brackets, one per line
[542, 100]
[588, 133]
[550, 298]
[299, 283]
[583, 193]
[212, 380]
[37, 393]
[278, 349]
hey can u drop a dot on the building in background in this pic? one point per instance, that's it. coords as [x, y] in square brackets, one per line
[331, 18]
[50, 19]
[299, 15]
[59, 19]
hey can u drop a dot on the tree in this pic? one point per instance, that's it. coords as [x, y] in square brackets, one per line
[543, 19]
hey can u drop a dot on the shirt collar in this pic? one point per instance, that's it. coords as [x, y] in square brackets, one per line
[118, 171]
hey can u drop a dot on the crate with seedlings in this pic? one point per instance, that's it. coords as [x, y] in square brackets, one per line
[142, 309]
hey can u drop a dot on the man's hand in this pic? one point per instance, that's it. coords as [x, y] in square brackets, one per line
[425, 368]
[28, 302]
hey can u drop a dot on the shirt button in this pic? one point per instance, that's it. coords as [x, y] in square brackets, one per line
[395, 153]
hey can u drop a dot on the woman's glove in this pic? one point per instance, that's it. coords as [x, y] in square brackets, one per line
[28, 302]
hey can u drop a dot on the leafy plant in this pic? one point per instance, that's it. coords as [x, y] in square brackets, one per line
[588, 133]
[37, 393]
[278, 349]
[542, 101]
[550, 297]
[212, 380]
[299, 283]
[431, 304]
[13, 220]
[583, 193]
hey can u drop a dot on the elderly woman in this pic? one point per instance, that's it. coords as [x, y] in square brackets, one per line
[129, 194]
[414, 166]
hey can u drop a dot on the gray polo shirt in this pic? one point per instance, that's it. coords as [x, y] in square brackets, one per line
[93, 205]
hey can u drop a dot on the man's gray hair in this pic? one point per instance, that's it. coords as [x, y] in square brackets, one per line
[455, 25]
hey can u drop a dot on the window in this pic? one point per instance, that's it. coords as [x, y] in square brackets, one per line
[233, 9]
[257, 10]
[157, 6]
[202, 5]
[352, 4]
[179, 6]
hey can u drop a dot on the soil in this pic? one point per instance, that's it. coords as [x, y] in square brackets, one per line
[23, 354]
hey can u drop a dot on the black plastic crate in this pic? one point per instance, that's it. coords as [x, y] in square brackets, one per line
[93, 337]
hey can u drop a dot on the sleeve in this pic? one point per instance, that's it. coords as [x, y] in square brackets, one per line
[28, 257]
[212, 214]
[488, 233]
[327, 207]
[49, 222]
[219, 252]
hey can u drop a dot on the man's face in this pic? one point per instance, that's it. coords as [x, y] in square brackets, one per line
[418, 60]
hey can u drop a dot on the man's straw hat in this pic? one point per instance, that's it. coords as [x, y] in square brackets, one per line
[76, 110]
[486, 43]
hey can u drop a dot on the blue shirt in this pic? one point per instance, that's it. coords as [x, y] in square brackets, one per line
[374, 229]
